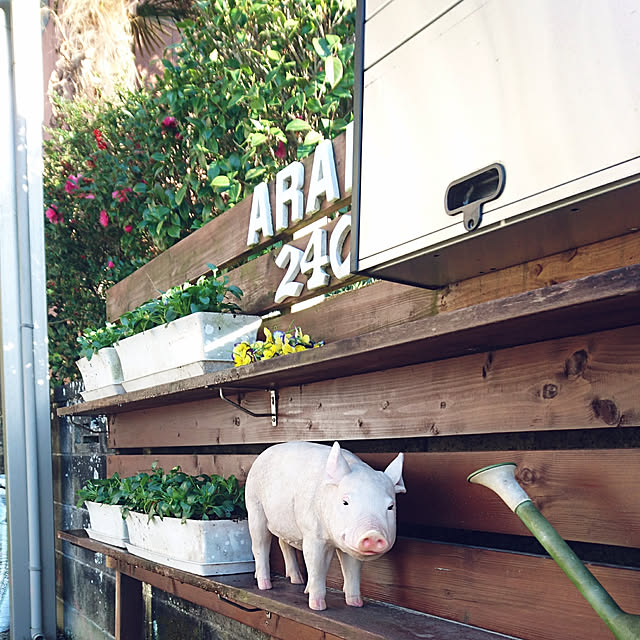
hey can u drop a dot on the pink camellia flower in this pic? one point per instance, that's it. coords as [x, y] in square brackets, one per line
[121, 194]
[110, 264]
[89, 196]
[169, 122]
[71, 184]
[128, 228]
[104, 218]
[53, 215]
[281, 151]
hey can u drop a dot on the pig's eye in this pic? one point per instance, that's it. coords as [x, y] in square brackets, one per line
[345, 503]
[390, 507]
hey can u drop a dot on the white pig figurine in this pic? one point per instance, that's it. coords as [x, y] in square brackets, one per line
[319, 498]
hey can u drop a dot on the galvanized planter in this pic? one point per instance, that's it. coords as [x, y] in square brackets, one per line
[190, 346]
[107, 524]
[102, 375]
[204, 547]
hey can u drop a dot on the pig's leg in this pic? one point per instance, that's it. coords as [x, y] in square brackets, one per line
[317, 557]
[260, 545]
[351, 568]
[292, 570]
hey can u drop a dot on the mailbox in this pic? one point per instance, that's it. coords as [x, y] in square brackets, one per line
[491, 132]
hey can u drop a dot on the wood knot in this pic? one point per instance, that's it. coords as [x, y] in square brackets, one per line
[549, 391]
[606, 410]
[526, 475]
[576, 364]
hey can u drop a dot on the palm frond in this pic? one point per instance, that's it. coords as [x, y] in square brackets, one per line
[151, 19]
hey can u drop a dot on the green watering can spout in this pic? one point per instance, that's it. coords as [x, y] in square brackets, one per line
[500, 478]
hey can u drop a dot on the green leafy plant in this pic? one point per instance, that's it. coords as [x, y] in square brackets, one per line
[92, 340]
[103, 491]
[179, 495]
[209, 293]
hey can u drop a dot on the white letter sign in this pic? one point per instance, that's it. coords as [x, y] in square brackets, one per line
[324, 180]
[289, 184]
[260, 220]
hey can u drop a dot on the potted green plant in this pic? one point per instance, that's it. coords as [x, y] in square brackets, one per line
[99, 363]
[190, 330]
[104, 498]
[194, 523]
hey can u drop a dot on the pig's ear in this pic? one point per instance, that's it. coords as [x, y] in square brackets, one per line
[337, 467]
[394, 471]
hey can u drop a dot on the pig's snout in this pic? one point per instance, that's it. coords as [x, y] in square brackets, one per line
[372, 543]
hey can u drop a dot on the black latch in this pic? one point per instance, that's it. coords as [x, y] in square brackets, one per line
[467, 195]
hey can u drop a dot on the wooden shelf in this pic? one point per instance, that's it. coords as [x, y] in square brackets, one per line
[604, 301]
[376, 621]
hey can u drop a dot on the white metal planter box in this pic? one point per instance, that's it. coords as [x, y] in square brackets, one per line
[205, 547]
[102, 375]
[107, 524]
[190, 346]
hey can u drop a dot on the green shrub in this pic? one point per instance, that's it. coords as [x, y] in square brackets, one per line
[253, 86]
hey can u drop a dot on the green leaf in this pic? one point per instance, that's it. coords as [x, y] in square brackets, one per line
[254, 173]
[321, 47]
[158, 157]
[298, 125]
[141, 187]
[220, 182]
[333, 70]
[313, 137]
[256, 139]
[180, 193]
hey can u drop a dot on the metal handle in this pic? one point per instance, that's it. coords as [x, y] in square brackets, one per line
[467, 195]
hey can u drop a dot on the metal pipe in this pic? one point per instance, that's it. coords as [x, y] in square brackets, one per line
[23, 282]
[500, 478]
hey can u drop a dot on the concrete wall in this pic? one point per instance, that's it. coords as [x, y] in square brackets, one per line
[85, 587]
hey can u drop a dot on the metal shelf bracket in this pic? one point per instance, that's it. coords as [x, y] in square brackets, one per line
[273, 402]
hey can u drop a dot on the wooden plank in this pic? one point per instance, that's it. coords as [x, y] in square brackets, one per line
[380, 305]
[543, 272]
[606, 300]
[274, 625]
[260, 278]
[522, 595]
[222, 242]
[223, 465]
[129, 610]
[588, 495]
[375, 621]
[582, 382]
[394, 304]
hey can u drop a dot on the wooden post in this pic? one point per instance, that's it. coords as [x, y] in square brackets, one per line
[129, 609]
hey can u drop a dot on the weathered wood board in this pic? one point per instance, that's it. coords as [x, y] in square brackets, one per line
[567, 486]
[571, 383]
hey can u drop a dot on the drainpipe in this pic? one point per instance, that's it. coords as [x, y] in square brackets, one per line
[500, 478]
[22, 296]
